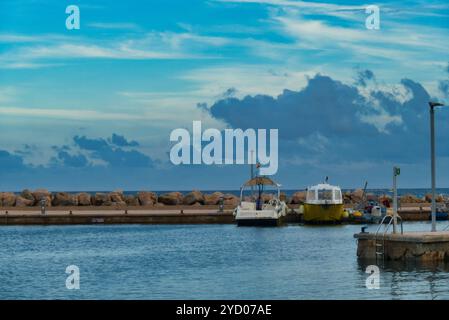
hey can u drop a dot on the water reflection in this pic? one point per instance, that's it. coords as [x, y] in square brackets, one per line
[429, 279]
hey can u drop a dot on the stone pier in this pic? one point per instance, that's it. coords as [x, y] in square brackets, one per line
[417, 246]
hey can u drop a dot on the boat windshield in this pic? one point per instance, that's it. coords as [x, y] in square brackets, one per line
[324, 194]
[337, 194]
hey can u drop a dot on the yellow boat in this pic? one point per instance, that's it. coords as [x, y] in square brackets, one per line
[324, 204]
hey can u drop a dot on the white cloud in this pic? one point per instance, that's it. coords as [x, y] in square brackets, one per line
[37, 52]
[114, 26]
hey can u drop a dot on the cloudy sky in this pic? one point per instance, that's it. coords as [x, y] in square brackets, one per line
[92, 109]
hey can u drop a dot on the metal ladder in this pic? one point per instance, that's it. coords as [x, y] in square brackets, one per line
[380, 243]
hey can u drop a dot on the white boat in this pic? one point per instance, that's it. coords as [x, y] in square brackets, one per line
[256, 212]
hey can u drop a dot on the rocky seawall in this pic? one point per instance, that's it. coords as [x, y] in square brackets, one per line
[29, 198]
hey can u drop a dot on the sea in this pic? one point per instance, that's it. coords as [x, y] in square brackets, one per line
[204, 262]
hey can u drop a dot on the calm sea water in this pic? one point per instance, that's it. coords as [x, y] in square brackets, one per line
[202, 262]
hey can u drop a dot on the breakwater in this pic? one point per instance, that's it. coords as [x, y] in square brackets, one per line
[120, 199]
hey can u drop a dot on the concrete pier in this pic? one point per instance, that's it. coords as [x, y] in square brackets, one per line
[65, 217]
[418, 246]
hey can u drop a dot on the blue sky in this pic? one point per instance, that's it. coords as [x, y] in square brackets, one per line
[93, 108]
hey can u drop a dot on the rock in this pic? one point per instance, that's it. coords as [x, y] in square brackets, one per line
[23, 202]
[171, 198]
[438, 198]
[40, 194]
[283, 197]
[372, 197]
[409, 198]
[158, 204]
[193, 198]
[117, 198]
[84, 199]
[147, 198]
[212, 199]
[298, 197]
[132, 200]
[7, 199]
[267, 197]
[65, 199]
[102, 199]
[357, 196]
[26, 194]
[231, 200]
[347, 197]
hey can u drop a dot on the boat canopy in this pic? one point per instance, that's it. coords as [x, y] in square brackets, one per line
[324, 194]
[260, 181]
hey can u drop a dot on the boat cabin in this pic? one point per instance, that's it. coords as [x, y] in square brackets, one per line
[324, 194]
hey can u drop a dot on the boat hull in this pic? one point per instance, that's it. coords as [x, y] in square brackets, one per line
[265, 222]
[323, 213]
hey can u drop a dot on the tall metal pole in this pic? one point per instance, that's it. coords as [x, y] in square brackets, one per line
[252, 171]
[432, 160]
[395, 200]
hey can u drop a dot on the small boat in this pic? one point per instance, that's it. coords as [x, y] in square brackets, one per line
[324, 204]
[257, 213]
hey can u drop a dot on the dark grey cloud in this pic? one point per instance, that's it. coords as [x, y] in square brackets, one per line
[444, 87]
[121, 141]
[72, 160]
[332, 122]
[108, 151]
[90, 144]
[363, 76]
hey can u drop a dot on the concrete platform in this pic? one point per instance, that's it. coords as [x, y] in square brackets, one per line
[54, 217]
[420, 246]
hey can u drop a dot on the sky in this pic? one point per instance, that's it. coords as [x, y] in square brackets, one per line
[92, 109]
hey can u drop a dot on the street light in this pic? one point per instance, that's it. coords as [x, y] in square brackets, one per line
[432, 106]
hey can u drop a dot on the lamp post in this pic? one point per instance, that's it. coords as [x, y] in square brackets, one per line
[432, 106]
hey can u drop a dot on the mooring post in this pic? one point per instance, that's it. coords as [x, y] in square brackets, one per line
[43, 205]
[396, 172]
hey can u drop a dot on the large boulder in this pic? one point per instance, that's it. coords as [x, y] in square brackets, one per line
[372, 197]
[132, 200]
[146, 198]
[298, 197]
[23, 202]
[42, 194]
[102, 199]
[171, 198]
[7, 199]
[409, 198]
[65, 199]
[231, 200]
[193, 198]
[117, 198]
[27, 194]
[357, 196]
[84, 199]
[438, 198]
[283, 197]
[213, 199]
